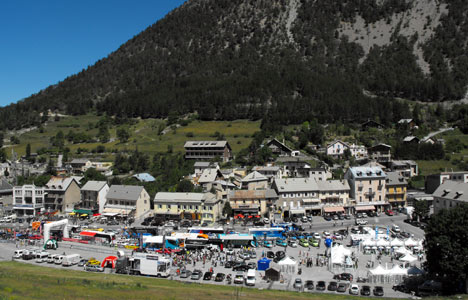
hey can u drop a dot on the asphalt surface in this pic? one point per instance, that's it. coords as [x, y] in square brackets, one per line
[315, 273]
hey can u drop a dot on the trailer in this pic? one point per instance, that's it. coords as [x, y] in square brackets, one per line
[71, 259]
[144, 264]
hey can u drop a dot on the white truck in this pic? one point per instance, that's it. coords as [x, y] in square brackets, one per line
[149, 264]
[70, 260]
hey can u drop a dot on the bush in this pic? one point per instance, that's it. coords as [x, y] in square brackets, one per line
[189, 134]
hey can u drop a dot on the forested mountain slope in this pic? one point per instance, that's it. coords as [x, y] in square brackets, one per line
[285, 61]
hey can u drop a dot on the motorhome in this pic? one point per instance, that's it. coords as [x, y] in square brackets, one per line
[250, 278]
[70, 260]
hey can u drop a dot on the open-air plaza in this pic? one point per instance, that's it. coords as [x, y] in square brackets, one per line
[307, 256]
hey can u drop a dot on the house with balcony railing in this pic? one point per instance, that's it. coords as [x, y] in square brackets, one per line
[28, 200]
[367, 188]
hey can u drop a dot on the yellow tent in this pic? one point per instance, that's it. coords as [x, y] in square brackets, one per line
[84, 215]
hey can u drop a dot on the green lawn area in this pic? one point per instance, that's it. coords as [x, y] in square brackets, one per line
[144, 134]
[26, 281]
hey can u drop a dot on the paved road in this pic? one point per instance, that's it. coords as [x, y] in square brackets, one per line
[434, 133]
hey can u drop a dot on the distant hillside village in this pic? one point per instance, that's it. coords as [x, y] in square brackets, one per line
[293, 184]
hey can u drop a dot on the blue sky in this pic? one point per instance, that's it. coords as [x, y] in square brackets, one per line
[43, 42]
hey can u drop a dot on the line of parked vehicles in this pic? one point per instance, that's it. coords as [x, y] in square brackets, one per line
[42, 256]
[340, 287]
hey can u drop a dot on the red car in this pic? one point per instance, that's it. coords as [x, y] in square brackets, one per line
[35, 237]
[389, 212]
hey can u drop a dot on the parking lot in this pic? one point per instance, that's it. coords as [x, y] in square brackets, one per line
[311, 260]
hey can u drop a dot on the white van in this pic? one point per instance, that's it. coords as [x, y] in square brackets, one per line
[70, 260]
[395, 228]
[18, 254]
[42, 256]
[250, 278]
[58, 259]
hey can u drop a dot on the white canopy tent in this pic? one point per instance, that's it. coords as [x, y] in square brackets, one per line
[288, 265]
[397, 243]
[411, 242]
[408, 258]
[403, 250]
[339, 254]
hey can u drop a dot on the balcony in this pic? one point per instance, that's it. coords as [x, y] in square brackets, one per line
[369, 194]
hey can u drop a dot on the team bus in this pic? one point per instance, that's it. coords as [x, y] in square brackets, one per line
[268, 233]
[206, 230]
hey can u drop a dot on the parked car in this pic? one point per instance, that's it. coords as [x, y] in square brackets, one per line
[354, 289]
[220, 277]
[185, 274]
[335, 217]
[292, 243]
[304, 219]
[303, 243]
[347, 217]
[361, 222]
[82, 262]
[267, 244]
[239, 278]
[327, 218]
[270, 254]
[313, 242]
[241, 267]
[281, 243]
[365, 290]
[208, 276]
[252, 265]
[378, 291]
[298, 284]
[244, 255]
[229, 264]
[279, 255]
[93, 268]
[196, 275]
[389, 212]
[342, 287]
[332, 286]
[309, 285]
[320, 286]
[344, 276]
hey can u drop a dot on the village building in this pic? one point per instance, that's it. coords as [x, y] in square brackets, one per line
[254, 181]
[127, 201]
[204, 207]
[93, 196]
[396, 186]
[252, 202]
[62, 194]
[28, 200]
[450, 194]
[208, 150]
[433, 181]
[367, 188]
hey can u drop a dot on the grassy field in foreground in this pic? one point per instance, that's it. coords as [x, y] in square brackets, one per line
[25, 281]
[143, 134]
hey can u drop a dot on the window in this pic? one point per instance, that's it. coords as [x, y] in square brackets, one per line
[191, 207]
[380, 198]
[145, 201]
[370, 181]
[178, 206]
[160, 206]
[360, 198]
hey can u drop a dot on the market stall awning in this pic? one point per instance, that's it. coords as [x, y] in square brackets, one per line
[110, 212]
[88, 233]
[332, 209]
[297, 211]
[365, 207]
[83, 211]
